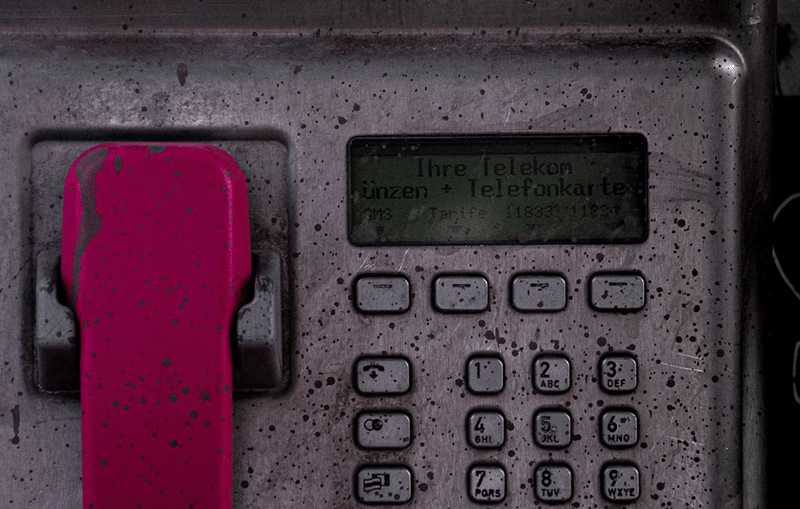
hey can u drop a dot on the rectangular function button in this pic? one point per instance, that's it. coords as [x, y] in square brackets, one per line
[553, 483]
[539, 292]
[617, 292]
[383, 485]
[461, 294]
[382, 294]
[382, 375]
[383, 430]
[487, 483]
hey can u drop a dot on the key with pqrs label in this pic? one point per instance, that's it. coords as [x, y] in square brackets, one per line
[487, 483]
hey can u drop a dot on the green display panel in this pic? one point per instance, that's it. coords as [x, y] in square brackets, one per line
[552, 189]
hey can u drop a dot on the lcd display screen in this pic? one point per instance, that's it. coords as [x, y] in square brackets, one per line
[551, 189]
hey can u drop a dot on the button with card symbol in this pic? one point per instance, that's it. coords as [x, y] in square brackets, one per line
[377, 484]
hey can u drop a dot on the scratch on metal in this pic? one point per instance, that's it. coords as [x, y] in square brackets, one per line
[455, 329]
[403, 261]
[684, 368]
[698, 444]
[366, 263]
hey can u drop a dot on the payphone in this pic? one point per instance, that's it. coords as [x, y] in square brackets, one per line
[503, 253]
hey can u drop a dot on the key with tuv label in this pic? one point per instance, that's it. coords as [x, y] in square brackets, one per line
[155, 256]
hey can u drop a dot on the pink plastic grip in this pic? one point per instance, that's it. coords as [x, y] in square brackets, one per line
[155, 256]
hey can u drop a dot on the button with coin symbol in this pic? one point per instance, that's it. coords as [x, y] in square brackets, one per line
[373, 424]
[383, 430]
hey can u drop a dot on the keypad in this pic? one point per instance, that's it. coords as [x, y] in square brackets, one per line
[552, 374]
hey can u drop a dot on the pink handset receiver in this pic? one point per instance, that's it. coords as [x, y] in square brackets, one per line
[155, 257]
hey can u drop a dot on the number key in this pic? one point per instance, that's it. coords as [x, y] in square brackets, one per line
[619, 428]
[551, 374]
[553, 483]
[487, 483]
[618, 373]
[552, 428]
[486, 430]
[620, 482]
[485, 375]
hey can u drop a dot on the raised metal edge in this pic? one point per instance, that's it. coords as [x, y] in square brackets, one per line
[55, 338]
[259, 360]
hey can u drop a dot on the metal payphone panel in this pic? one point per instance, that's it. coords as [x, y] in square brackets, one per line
[412, 396]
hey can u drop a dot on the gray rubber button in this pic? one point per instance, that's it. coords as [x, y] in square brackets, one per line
[552, 428]
[620, 482]
[486, 430]
[382, 375]
[617, 292]
[539, 292]
[618, 373]
[461, 294]
[383, 430]
[552, 374]
[485, 375]
[619, 428]
[382, 294]
[383, 485]
[553, 483]
[487, 483]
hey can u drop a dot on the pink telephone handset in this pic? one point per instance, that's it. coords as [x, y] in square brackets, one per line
[155, 257]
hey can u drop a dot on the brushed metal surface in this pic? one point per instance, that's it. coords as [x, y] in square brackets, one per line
[694, 79]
